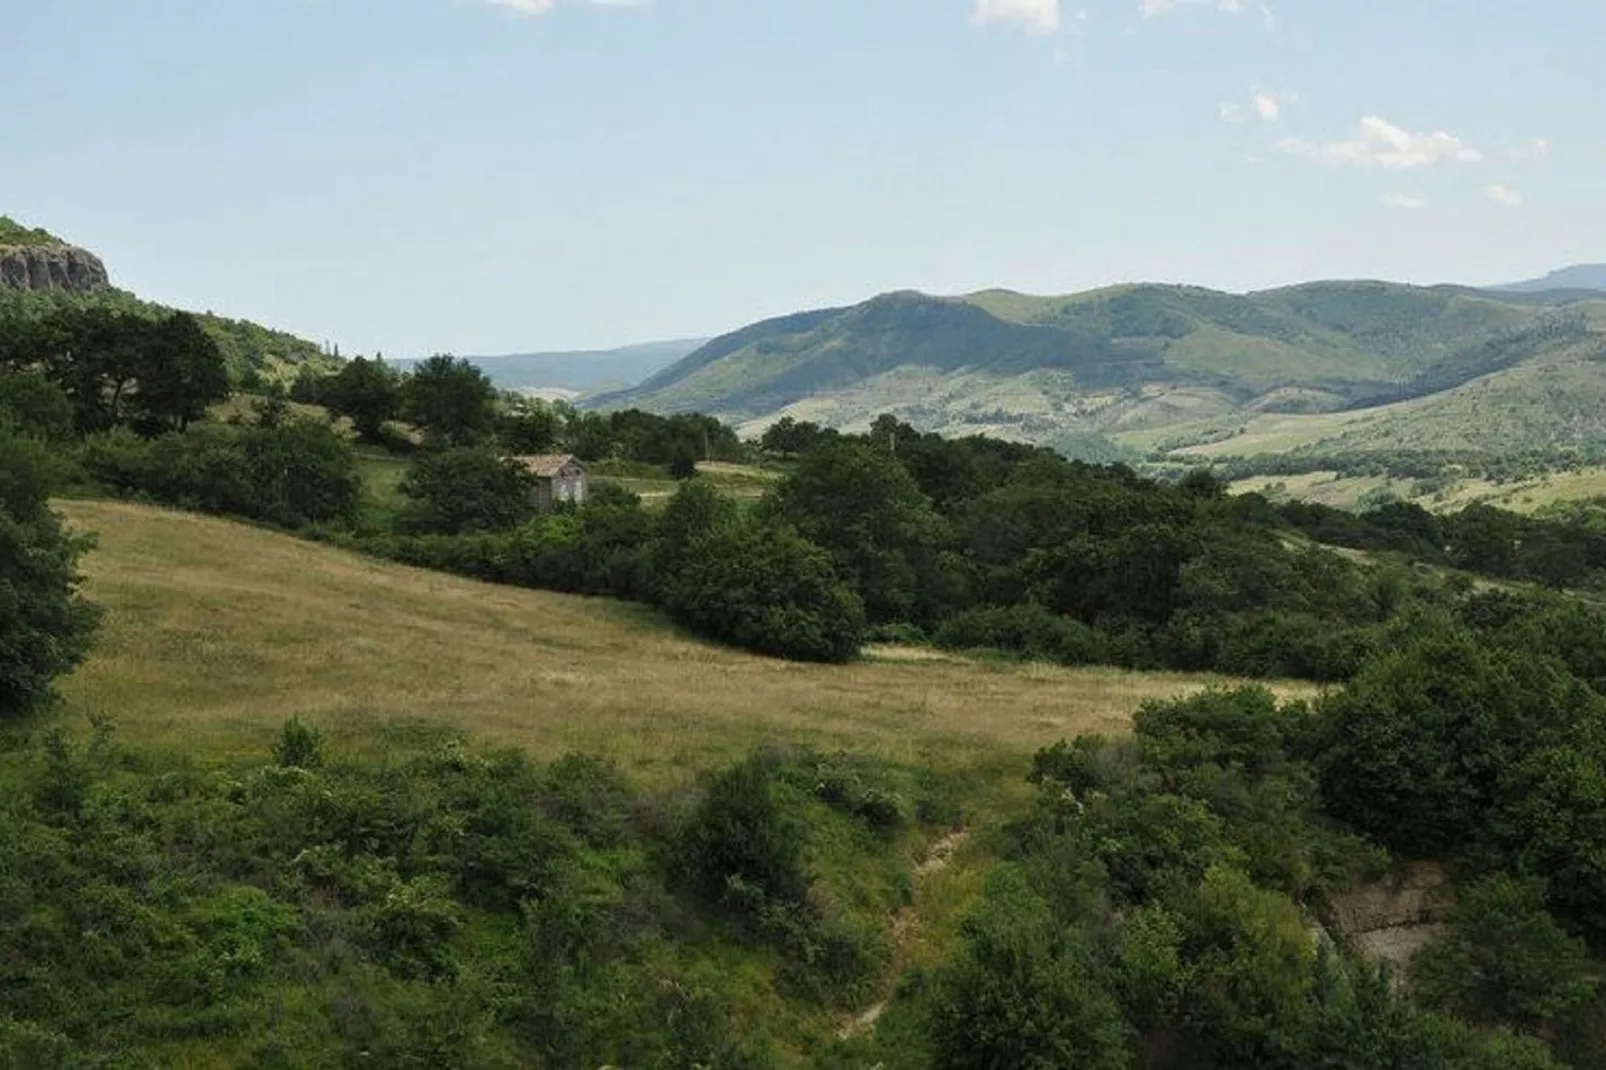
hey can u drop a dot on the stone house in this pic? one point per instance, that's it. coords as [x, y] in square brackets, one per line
[559, 477]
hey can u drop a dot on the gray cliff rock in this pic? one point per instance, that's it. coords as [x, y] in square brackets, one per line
[61, 268]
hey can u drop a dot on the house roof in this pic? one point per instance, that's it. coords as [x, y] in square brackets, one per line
[547, 465]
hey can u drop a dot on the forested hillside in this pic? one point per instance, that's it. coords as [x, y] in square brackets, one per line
[1145, 367]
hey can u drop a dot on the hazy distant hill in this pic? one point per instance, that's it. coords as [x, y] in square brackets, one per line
[582, 371]
[1117, 365]
[1577, 277]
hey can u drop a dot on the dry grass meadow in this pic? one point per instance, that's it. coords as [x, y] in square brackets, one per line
[217, 632]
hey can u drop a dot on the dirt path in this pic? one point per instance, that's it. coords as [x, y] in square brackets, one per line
[904, 924]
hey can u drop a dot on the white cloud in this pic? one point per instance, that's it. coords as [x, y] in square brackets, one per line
[1403, 200]
[541, 7]
[1265, 106]
[1533, 149]
[1037, 16]
[1155, 8]
[1504, 194]
[1379, 143]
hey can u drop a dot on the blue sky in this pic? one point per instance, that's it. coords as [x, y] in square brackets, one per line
[478, 177]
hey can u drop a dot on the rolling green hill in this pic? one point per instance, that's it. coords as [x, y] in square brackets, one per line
[1154, 367]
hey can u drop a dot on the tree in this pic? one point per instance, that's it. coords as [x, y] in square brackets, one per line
[1505, 961]
[863, 507]
[368, 392]
[45, 624]
[465, 490]
[1426, 741]
[182, 373]
[759, 585]
[451, 400]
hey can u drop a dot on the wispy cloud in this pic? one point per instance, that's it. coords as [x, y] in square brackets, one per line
[1264, 106]
[1380, 143]
[1155, 8]
[1533, 149]
[541, 7]
[1503, 194]
[1404, 200]
[1036, 16]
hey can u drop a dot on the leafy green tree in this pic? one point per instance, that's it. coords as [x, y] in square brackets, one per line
[451, 400]
[182, 375]
[528, 427]
[45, 624]
[468, 489]
[1024, 993]
[1505, 961]
[368, 392]
[863, 507]
[1421, 747]
[740, 847]
[761, 586]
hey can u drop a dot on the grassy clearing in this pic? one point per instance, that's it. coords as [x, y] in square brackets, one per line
[216, 632]
[1520, 496]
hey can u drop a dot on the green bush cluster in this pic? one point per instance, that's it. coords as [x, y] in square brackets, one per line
[292, 475]
[433, 907]
[1154, 911]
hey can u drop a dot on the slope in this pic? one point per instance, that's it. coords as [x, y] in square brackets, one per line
[217, 632]
[1114, 362]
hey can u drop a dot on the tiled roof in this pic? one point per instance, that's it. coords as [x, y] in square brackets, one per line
[546, 465]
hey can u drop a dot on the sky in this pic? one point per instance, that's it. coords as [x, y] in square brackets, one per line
[488, 176]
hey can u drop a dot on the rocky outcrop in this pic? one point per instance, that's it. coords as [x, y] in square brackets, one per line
[1390, 920]
[59, 268]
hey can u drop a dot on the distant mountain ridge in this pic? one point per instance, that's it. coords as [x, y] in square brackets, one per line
[1577, 277]
[1118, 366]
[580, 372]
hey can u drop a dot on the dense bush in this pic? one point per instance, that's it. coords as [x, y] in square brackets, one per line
[292, 475]
[458, 491]
[435, 906]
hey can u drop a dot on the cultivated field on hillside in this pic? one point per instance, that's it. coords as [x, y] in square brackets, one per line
[216, 632]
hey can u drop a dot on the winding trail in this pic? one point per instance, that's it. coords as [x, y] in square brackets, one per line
[904, 923]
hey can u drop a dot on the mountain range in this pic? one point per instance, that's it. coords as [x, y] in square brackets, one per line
[570, 374]
[1151, 368]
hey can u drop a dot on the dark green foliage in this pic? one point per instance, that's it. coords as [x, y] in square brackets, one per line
[292, 475]
[1027, 629]
[300, 745]
[762, 587]
[430, 909]
[451, 400]
[368, 392]
[464, 490]
[1024, 992]
[34, 405]
[740, 848]
[1430, 740]
[862, 507]
[120, 368]
[45, 624]
[1505, 962]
